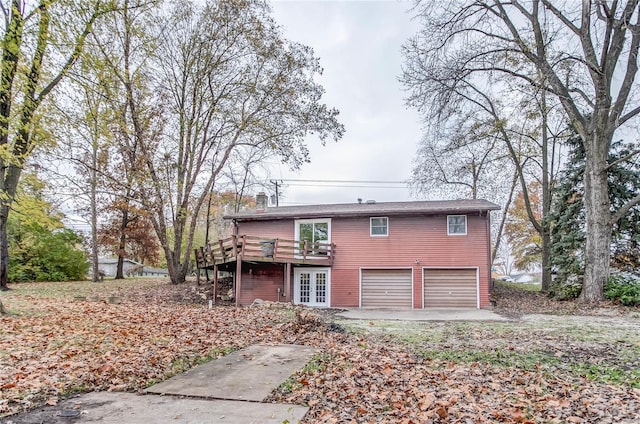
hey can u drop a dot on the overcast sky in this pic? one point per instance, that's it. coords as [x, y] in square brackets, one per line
[358, 43]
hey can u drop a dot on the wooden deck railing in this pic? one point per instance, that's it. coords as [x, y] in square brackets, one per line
[264, 250]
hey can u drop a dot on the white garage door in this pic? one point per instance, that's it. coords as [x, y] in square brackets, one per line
[450, 288]
[385, 288]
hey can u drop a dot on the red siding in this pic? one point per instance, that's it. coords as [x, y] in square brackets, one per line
[268, 229]
[261, 281]
[413, 242]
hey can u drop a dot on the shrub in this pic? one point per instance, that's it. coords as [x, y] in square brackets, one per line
[623, 288]
[567, 289]
[39, 254]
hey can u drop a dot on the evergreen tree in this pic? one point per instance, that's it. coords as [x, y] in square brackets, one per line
[567, 217]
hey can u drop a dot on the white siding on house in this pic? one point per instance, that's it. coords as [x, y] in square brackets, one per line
[109, 266]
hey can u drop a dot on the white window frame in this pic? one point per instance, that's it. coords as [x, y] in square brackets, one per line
[371, 226]
[296, 232]
[449, 227]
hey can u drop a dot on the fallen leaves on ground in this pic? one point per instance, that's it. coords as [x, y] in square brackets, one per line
[366, 380]
[514, 302]
[61, 346]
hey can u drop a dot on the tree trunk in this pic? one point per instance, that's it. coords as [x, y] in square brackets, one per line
[547, 171]
[122, 245]
[598, 222]
[503, 221]
[4, 248]
[95, 274]
[179, 268]
[546, 259]
[177, 274]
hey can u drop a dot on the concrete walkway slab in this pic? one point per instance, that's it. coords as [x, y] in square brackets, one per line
[432, 314]
[129, 408]
[247, 374]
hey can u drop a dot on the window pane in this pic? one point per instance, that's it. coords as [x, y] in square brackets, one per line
[457, 225]
[379, 231]
[321, 231]
[379, 226]
[378, 222]
[306, 232]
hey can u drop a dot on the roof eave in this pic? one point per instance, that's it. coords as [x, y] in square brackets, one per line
[311, 215]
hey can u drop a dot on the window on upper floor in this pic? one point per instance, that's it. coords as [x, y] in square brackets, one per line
[379, 227]
[456, 225]
[315, 232]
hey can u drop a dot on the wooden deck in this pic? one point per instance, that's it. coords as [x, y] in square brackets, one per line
[261, 249]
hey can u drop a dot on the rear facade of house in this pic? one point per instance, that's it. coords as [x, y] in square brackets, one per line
[402, 254]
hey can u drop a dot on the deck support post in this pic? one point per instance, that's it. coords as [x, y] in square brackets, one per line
[215, 283]
[238, 280]
[288, 287]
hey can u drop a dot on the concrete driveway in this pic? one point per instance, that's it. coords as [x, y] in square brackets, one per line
[432, 314]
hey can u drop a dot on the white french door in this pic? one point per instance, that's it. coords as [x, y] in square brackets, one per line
[312, 286]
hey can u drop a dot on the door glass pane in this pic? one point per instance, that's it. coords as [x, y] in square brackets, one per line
[305, 287]
[321, 287]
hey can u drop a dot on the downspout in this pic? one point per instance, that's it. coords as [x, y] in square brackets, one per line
[489, 245]
[238, 268]
[285, 280]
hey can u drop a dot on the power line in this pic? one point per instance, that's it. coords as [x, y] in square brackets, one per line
[345, 181]
[342, 185]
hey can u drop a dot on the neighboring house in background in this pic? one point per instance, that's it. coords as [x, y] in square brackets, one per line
[527, 277]
[425, 254]
[505, 278]
[129, 268]
[149, 271]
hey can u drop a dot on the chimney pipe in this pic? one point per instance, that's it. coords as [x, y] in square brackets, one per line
[261, 202]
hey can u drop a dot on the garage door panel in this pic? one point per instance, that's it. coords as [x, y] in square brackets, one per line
[450, 288]
[386, 288]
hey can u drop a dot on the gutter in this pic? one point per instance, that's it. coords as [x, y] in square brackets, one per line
[363, 214]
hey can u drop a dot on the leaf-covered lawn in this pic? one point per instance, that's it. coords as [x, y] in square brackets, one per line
[392, 378]
[53, 345]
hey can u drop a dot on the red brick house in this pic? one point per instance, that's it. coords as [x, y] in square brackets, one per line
[423, 254]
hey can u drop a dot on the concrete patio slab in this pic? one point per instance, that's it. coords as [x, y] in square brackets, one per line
[248, 374]
[432, 314]
[129, 408]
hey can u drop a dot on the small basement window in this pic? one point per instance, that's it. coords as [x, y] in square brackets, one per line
[456, 225]
[379, 227]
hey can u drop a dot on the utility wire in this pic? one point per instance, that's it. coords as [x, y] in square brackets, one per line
[345, 181]
[341, 185]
